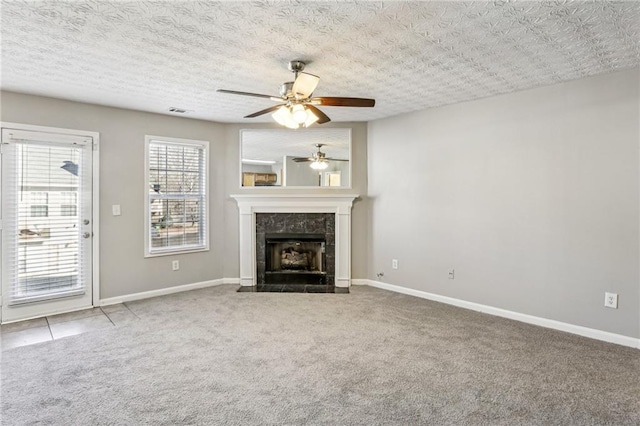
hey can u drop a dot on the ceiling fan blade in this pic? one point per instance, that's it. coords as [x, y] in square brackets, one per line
[255, 95]
[264, 111]
[322, 117]
[345, 102]
[302, 159]
[304, 85]
[335, 159]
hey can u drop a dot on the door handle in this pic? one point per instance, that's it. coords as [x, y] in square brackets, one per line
[86, 235]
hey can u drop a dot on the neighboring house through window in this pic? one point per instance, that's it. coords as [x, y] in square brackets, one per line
[39, 204]
[176, 217]
[69, 204]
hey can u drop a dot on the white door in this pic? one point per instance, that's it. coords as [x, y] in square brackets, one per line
[47, 223]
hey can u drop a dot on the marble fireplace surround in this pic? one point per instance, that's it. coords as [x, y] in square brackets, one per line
[339, 204]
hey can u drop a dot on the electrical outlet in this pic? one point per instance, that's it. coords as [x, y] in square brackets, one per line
[175, 265]
[611, 300]
[394, 263]
[452, 274]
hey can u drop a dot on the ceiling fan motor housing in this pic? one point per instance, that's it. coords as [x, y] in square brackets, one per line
[286, 90]
[296, 66]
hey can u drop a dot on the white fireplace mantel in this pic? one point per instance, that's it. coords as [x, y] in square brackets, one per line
[339, 204]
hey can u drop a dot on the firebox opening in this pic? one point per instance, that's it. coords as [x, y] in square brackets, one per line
[295, 259]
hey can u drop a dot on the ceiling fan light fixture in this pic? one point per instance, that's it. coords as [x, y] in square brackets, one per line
[284, 117]
[311, 118]
[299, 113]
[319, 165]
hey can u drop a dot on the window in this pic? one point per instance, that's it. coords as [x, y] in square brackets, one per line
[39, 204]
[68, 210]
[68, 206]
[39, 211]
[176, 205]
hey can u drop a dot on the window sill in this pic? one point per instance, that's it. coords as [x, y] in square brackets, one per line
[176, 252]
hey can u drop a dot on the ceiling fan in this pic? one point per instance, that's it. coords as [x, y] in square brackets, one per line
[297, 107]
[319, 159]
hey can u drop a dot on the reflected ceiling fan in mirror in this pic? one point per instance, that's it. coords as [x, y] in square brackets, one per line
[297, 106]
[319, 160]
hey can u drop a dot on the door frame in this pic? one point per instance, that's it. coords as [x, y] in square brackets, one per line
[95, 199]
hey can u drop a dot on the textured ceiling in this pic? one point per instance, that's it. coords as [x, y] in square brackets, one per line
[152, 55]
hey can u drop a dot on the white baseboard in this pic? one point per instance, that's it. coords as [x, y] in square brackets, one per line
[529, 319]
[165, 291]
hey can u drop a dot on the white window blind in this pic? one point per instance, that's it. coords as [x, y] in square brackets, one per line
[42, 256]
[176, 210]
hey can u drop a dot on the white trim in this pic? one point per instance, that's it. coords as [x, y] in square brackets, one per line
[95, 229]
[47, 129]
[293, 196]
[166, 291]
[592, 333]
[176, 252]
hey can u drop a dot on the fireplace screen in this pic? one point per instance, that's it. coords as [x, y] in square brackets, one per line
[295, 258]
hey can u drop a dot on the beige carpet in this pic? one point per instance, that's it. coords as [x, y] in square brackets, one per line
[218, 357]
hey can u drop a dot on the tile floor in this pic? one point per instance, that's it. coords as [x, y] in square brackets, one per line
[53, 327]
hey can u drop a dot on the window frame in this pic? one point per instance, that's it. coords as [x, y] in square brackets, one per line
[149, 251]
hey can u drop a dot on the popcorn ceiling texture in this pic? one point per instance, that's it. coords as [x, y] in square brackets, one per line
[152, 55]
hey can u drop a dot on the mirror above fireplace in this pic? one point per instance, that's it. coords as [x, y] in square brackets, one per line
[286, 158]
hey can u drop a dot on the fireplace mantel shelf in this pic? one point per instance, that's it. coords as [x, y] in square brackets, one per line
[287, 196]
[338, 204]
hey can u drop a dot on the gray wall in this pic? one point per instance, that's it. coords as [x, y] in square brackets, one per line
[342, 167]
[123, 268]
[299, 174]
[532, 197]
[360, 231]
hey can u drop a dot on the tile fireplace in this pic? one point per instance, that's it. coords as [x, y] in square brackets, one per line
[295, 249]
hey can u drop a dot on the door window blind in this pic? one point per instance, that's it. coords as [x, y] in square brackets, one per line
[43, 249]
